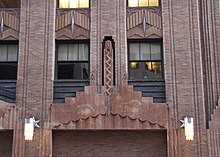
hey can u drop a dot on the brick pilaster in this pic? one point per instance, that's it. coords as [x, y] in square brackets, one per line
[36, 71]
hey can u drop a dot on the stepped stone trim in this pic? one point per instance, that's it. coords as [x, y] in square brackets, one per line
[215, 118]
[151, 88]
[214, 132]
[66, 88]
[112, 121]
[8, 115]
[127, 103]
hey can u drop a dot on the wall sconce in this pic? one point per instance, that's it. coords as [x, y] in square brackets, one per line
[188, 125]
[30, 123]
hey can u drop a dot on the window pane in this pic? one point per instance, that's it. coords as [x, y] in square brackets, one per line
[74, 4]
[63, 3]
[145, 51]
[79, 71]
[134, 51]
[153, 70]
[62, 52]
[84, 3]
[155, 51]
[12, 52]
[133, 65]
[133, 3]
[3, 52]
[145, 70]
[83, 52]
[8, 70]
[65, 70]
[143, 3]
[138, 71]
[73, 52]
[153, 3]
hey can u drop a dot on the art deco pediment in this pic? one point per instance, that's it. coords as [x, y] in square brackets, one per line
[73, 25]
[9, 25]
[144, 23]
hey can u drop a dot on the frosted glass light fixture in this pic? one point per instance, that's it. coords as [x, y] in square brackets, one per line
[189, 130]
[29, 125]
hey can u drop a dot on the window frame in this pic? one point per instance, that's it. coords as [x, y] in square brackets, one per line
[139, 41]
[58, 2]
[145, 6]
[11, 62]
[73, 61]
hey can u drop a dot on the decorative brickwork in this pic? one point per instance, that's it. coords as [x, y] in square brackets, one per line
[108, 70]
[129, 111]
[210, 40]
[88, 103]
[214, 133]
[191, 46]
[145, 23]
[108, 67]
[35, 73]
[108, 19]
[72, 25]
[9, 25]
[186, 78]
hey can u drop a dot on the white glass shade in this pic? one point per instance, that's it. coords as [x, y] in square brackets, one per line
[189, 131]
[29, 129]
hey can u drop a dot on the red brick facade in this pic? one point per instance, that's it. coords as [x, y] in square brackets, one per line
[109, 143]
[6, 143]
[89, 124]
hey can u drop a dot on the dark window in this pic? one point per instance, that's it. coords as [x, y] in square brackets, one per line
[73, 3]
[8, 61]
[9, 3]
[143, 3]
[73, 61]
[145, 61]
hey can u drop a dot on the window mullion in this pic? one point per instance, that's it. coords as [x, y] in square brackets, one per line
[7, 54]
[139, 52]
[67, 59]
[150, 51]
[73, 67]
[78, 54]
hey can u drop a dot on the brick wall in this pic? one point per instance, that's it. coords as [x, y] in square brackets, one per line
[184, 71]
[35, 70]
[6, 138]
[109, 143]
[108, 18]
